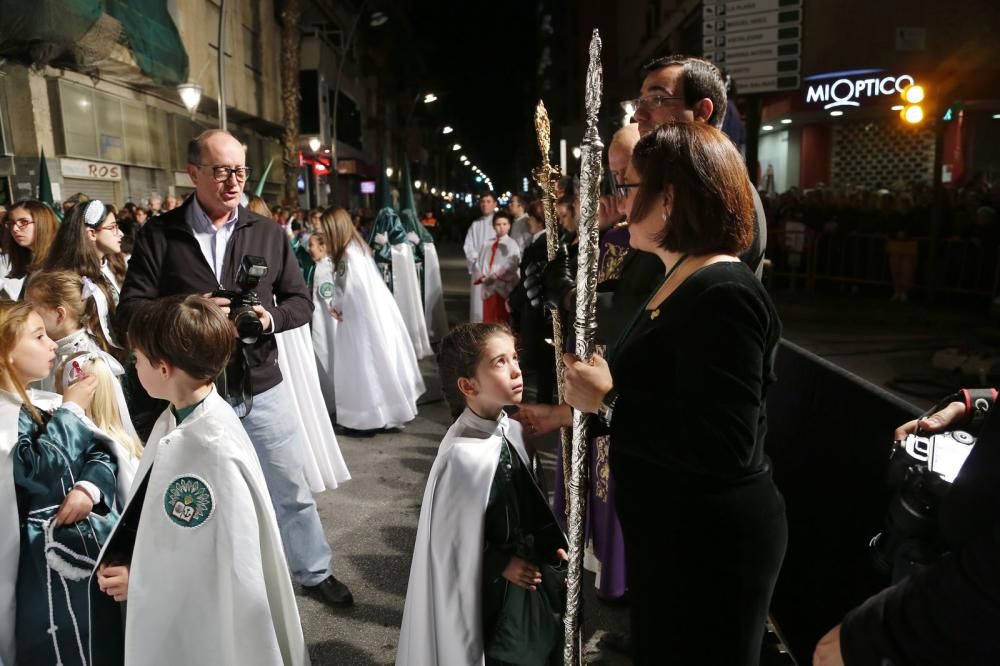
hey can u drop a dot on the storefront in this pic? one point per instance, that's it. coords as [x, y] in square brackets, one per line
[844, 129]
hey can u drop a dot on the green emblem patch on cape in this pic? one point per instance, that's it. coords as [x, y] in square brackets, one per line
[326, 290]
[342, 269]
[188, 501]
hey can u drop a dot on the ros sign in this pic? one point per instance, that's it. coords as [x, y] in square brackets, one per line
[850, 92]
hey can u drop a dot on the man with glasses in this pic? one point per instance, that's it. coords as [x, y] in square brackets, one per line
[683, 88]
[197, 248]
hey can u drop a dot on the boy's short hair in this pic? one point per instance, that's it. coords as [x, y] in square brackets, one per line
[188, 332]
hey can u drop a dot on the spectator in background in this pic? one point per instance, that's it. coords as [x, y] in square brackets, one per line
[155, 204]
[68, 203]
[172, 201]
[520, 230]
[141, 216]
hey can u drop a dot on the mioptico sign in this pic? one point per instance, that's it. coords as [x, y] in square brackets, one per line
[839, 89]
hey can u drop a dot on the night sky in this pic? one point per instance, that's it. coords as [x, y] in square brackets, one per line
[481, 58]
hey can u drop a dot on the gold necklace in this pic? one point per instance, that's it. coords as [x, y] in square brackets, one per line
[673, 269]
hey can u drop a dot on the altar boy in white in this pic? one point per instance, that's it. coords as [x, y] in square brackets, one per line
[197, 553]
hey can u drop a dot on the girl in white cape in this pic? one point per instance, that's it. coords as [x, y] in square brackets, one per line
[358, 333]
[487, 575]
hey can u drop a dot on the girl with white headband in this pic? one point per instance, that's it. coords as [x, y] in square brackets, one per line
[89, 243]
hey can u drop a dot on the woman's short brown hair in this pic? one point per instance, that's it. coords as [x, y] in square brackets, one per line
[712, 203]
[188, 332]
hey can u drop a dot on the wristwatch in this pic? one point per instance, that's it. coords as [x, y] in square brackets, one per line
[607, 408]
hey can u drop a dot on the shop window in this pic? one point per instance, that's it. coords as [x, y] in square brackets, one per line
[136, 134]
[78, 121]
[110, 137]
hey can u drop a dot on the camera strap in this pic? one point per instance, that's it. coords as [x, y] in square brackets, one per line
[978, 403]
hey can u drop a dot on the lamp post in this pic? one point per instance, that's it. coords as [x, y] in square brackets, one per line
[222, 64]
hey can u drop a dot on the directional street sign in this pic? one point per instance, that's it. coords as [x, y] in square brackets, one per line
[757, 42]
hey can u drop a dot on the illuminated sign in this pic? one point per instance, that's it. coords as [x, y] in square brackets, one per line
[368, 187]
[852, 88]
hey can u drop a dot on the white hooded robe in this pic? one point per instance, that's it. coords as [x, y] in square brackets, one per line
[208, 581]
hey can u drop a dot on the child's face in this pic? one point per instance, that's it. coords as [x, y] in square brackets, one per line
[501, 226]
[56, 322]
[317, 249]
[33, 355]
[152, 377]
[498, 380]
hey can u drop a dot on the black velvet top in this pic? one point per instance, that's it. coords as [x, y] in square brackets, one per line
[693, 376]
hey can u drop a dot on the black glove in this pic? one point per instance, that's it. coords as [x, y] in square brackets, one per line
[557, 281]
[532, 283]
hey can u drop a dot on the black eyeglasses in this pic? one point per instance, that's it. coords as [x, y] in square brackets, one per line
[222, 173]
[621, 189]
[648, 102]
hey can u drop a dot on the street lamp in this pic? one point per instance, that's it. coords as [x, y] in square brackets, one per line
[447, 130]
[388, 172]
[315, 144]
[190, 93]
[457, 147]
[429, 98]
[417, 184]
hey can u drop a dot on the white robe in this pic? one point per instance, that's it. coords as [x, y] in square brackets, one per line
[406, 290]
[479, 232]
[369, 354]
[442, 617]
[434, 312]
[504, 270]
[71, 345]
[218, 592]
[324, 463]
[9, 287]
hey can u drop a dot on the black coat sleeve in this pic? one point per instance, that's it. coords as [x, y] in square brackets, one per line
[142, 283]
[294, 306]
[944, 616]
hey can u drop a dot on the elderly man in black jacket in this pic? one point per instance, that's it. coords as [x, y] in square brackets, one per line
[197, 249]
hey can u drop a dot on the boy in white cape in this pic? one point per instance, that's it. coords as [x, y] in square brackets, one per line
[197, 553]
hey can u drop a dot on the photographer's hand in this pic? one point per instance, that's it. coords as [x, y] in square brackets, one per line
[265, 318]
[223, 303]
[937, 422]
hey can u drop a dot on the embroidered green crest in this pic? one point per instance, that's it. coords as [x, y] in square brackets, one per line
[341, 269]
[188, 501]
[326, 290]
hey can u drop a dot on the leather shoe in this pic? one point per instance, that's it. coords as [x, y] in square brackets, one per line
[330, 592]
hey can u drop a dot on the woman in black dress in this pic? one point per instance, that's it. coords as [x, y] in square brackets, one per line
[684, 399]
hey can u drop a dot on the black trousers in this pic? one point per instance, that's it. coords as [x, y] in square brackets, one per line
[701, 565]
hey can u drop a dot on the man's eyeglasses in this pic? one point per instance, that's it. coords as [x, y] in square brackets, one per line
[648, 102]
[19, 223]
[621, 189]
[222, 173]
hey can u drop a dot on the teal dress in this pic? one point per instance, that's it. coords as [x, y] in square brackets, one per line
[388, 223]
[48, 461]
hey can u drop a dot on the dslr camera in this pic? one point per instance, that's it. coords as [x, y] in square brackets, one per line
[922, 469]
[243, 299]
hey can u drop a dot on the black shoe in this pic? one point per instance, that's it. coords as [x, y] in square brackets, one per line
[331, 592]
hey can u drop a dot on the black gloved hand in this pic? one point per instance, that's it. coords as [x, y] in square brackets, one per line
[532, 283]
[557, 281]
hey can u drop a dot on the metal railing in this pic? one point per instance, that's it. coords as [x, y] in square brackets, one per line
[804, 258]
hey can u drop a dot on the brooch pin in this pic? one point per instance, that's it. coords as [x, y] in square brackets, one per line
[654, 314]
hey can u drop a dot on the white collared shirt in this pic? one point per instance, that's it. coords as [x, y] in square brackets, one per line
[212, 239]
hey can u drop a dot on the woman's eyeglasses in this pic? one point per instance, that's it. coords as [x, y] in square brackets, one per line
[19, 223]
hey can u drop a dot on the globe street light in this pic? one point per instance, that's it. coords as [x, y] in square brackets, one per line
[190, 95]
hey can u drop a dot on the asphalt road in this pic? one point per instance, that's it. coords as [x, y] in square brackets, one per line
[371, 524]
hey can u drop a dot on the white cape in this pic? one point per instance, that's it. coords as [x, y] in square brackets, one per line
[406, 290]
[369, 354]
[217, 592]
[324, 464]
[479, 232]
[10, 528]
[11, 287]
[434, 312]
[442, 618]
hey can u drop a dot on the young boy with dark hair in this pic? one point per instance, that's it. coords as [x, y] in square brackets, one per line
[197, 553]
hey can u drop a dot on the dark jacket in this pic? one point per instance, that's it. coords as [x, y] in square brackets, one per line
[167, 260]
[948, 614]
